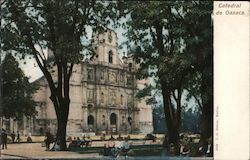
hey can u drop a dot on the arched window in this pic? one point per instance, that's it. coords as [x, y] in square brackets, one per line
[90, 120]
[110, 56]
[113, 119]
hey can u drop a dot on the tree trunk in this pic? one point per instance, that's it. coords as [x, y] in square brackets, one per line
[61, 131]
[173, 132]
[62, 110]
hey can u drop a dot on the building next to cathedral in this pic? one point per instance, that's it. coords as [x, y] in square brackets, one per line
[102, 94]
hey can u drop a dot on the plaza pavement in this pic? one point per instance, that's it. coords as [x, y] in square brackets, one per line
[35, 151]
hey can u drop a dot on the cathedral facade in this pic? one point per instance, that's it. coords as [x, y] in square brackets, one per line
[102, 93]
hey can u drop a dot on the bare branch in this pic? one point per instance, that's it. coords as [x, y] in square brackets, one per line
[43, 54]
[197, 99]
[2, 2]
[174, 96]
[153, 35]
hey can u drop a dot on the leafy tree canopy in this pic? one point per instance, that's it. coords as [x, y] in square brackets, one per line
[30, 27]
[16, 90]
[173, 42]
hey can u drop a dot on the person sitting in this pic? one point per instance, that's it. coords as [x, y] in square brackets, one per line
[125, 147]
[209, 152]
[184, 149]
[78, 142]
[203, 147]
[119, 138]
[111, 137]
[106, 150]
[73, 143]
[172, 149]
[57, 146]
[29, 139]
[128, 137]
[48, 140]
[110, 145]
[114, 151]
[69, 139]
[88, 141]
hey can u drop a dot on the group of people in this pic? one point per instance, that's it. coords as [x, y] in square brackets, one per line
[15, 137]
[115, 148]
[185, 149]
[4, 138]
[77, 142]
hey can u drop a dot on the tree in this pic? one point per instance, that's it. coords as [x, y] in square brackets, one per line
[17, 91]
[197, 22]
[32, 26]
[155, 30]
[166, 49]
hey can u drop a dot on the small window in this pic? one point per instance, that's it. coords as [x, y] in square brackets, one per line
[110, 57]
[113, 119]
[102, 74]
[90, 120]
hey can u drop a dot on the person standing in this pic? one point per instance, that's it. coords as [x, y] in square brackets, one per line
[18, 137]
[13, 136]
[48, 140]
[41, 131]
[4, 139]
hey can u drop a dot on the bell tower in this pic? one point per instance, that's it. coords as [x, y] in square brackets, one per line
[106, 47]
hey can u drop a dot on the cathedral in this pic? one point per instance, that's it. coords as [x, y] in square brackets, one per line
[102, 93]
